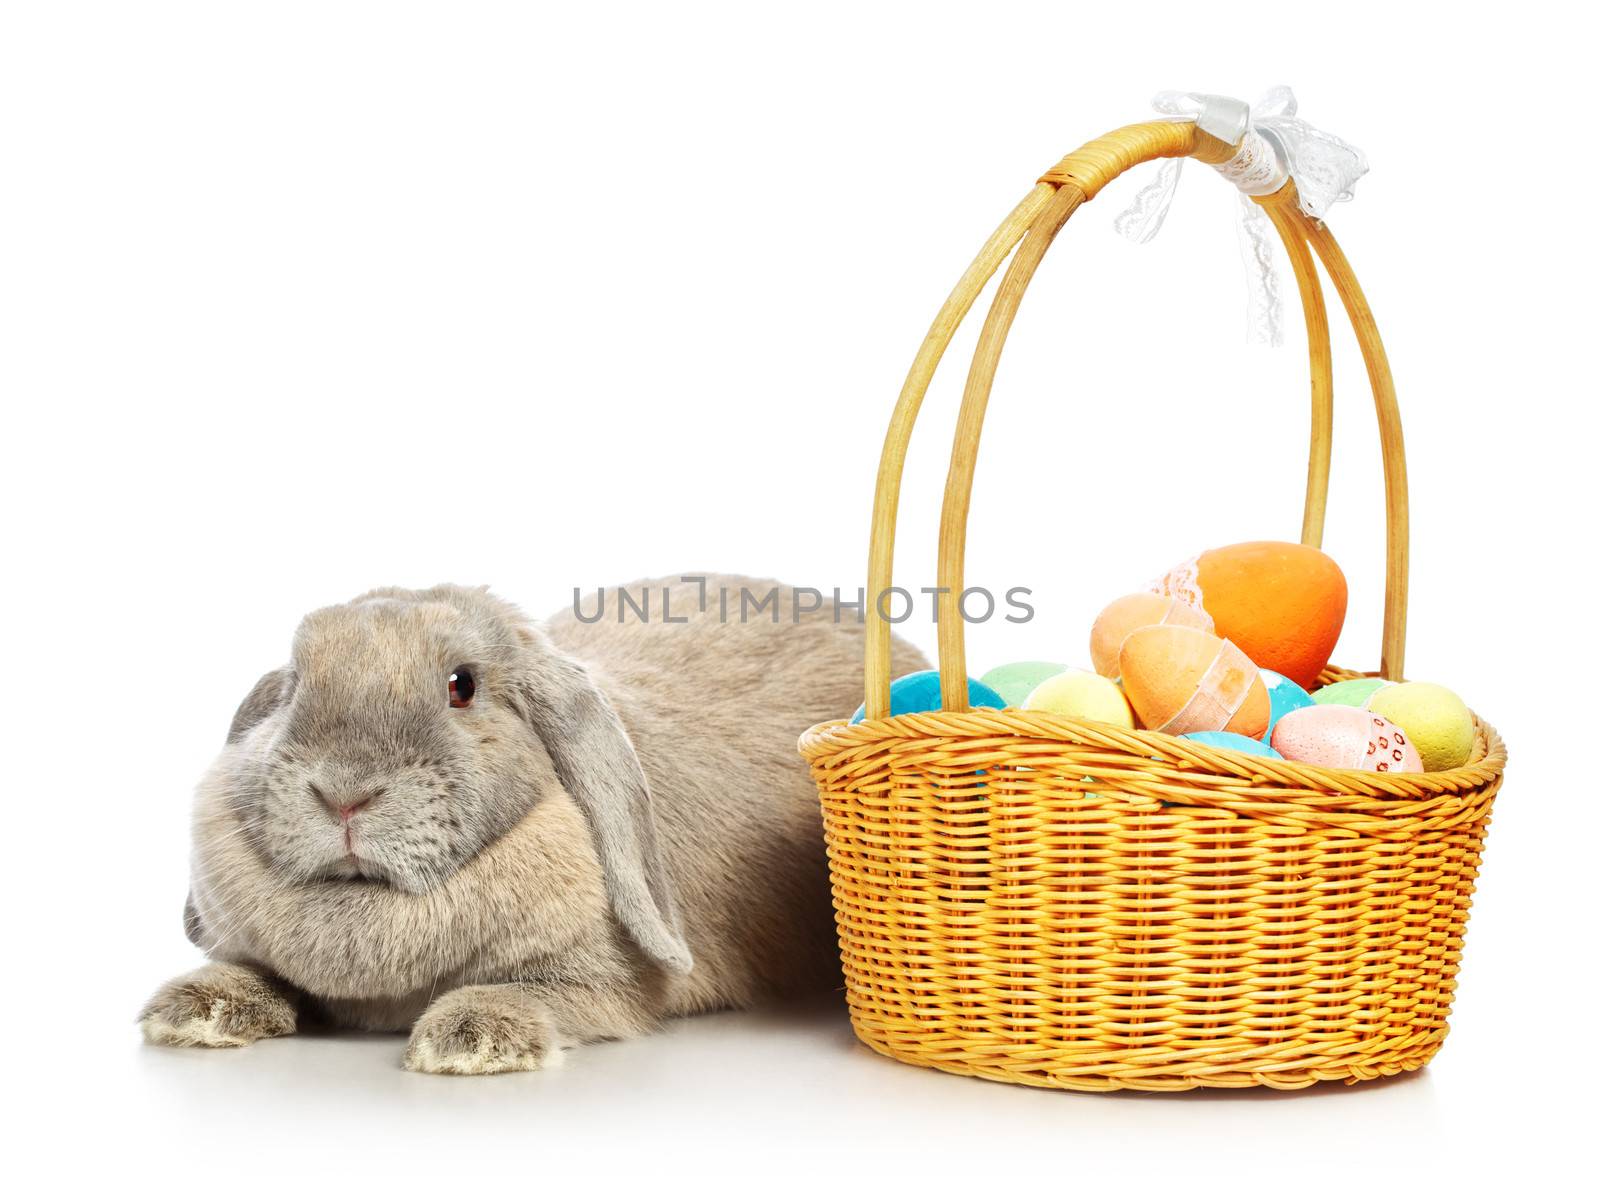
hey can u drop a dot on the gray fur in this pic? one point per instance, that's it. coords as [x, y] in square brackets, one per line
[264, 699]
[192, 929]
[617, 831]
[596, 763]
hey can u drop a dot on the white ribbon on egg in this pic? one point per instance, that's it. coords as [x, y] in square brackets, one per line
[1273, 146]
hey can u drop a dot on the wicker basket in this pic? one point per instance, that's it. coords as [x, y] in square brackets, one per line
[1073, 905]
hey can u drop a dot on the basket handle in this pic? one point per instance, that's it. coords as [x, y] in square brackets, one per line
[1029, 229]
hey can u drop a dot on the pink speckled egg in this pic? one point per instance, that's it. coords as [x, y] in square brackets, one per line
[1337, 735]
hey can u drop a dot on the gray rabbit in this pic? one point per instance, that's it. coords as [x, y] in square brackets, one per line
[511, 838]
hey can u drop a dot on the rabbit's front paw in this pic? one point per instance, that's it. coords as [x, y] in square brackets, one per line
[486, 1029]
[221, 1004]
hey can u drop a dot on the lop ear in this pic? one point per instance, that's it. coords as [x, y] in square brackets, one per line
[596, 763]
[269, 693]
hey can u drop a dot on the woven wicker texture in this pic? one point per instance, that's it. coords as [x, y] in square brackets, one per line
[1067, 904]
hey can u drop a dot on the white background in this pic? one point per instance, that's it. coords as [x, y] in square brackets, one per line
[297, 299]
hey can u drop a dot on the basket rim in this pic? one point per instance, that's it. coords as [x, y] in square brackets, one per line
[1396, 793]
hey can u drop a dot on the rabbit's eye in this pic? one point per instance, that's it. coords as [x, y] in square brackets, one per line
[462, 686]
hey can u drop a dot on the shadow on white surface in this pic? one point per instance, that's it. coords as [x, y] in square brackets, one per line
[731, 1094]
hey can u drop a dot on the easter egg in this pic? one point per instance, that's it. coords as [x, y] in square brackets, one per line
[1336, 735]
[1122, 616]
[1434, 718]
[1182, 680]
[1015, 680]
[1284, 695]
[1082, 695]
[1280, 602]
[919, 692]
[1354, 692]
[1232, 741]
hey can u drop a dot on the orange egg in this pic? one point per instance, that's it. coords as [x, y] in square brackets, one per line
[1182, 680]
[1280, 602]
[1122, 616]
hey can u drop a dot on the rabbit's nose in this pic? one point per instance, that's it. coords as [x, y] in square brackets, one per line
[344, 804]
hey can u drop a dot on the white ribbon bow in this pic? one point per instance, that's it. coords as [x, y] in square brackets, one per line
[1274, 146]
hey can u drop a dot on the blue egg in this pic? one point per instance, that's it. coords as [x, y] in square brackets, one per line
[1285, 696]
[919, 692]
[1234, 741]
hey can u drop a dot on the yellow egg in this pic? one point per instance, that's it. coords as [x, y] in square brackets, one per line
[1434, 718]
[1083, 696]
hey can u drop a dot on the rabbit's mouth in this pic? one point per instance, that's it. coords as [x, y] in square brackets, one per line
[351, 868]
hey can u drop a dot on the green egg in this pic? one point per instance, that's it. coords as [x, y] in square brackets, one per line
[1015, 681]
[1354, 692]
